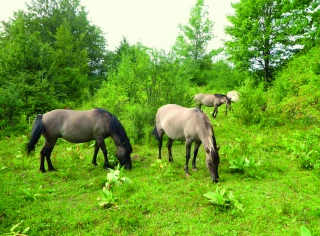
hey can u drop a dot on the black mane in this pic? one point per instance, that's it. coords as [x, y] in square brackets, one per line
[118, 129]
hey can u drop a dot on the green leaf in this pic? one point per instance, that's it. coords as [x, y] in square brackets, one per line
[304, 231]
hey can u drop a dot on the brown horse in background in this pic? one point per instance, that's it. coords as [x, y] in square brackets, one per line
[189, 125]
[79, 127]
[212, 100]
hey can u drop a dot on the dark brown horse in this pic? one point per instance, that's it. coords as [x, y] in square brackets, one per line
[212, 100]
[189, 125]
[79, 127]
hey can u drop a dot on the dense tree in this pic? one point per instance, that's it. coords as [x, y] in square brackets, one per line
[51, 55]
[265, 33]
[191, 44]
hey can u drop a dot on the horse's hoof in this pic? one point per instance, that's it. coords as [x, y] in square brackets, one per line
[194, 169]
[51, 170]
[43, 171]
[215, 181]
[95, 164]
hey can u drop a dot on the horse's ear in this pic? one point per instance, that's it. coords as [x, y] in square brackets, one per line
[207, 150]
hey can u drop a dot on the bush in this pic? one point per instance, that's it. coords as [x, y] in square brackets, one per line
[295, 94]
[252, 103]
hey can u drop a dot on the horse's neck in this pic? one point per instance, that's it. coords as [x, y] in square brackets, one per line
[116, 140]
[206, 139]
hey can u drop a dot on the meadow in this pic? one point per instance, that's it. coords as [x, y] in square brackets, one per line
[266, 187]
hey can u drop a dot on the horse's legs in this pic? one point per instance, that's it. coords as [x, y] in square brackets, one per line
[46, 152]
[102, 145]
[50, 166]
[195, 153]
[215, 111]
[169, 145]
[188, 148]
[95, 153]
[42, 156]
[160, 134]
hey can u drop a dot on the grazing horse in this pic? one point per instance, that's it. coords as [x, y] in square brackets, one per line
[233, 95]
[79, 127]
[189, 125]
[212, 100]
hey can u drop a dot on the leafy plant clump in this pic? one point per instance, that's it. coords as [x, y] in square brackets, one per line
[107, 200]
[241, 163]
[114, 178]
[224, 200]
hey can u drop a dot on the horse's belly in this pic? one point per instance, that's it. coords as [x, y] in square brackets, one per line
[176, 135]
[77, 139]
[77, 136]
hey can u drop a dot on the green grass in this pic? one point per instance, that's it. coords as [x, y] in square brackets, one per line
[278, 196]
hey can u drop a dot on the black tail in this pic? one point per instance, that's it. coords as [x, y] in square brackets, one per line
[155, 133]
[35, 134]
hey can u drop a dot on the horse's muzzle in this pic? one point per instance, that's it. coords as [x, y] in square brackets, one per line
[128, 166]
[215, 180]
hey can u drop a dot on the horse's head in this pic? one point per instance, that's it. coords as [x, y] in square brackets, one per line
[123, 155]
[212, 163]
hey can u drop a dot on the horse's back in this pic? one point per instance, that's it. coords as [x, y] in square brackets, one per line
[75, 126]
[176, 121]
[205, 99]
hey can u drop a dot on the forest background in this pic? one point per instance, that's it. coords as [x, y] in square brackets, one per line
[53, 57]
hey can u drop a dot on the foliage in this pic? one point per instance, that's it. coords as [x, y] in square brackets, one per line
[51, 55]
[224, 200]
[29, 194]
[304, 231]
[114, 178]
[10, 108]
[194, 38]
[144, 80]
[295, 94]
[266, 33]
[13, 231]
[279, 203]
[304, 148]
[252, 103]
[191, 45]
[222, 77]
[107, 199]
[242, 163]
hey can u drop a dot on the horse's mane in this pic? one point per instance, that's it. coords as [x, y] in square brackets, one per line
[207, 123]
[210, 128]
[118, 128]
[220, 95]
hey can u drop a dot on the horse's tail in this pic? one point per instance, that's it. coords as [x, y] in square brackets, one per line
[35, 134]
[155, 132]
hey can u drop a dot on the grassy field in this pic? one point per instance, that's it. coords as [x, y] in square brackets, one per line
[277, 194]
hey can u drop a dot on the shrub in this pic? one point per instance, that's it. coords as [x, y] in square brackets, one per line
[252, 103]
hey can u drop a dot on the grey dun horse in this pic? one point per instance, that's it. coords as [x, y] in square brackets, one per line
[212, 100]
[79, 127]
[189, 125]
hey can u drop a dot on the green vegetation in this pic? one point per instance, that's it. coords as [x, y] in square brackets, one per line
[277, 197]
[270, 163]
